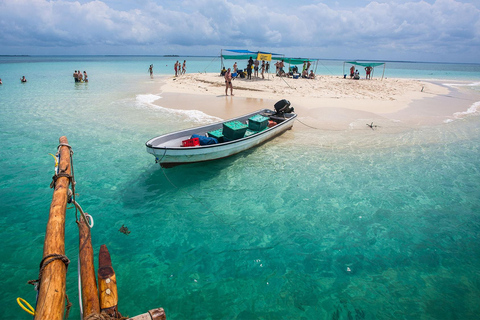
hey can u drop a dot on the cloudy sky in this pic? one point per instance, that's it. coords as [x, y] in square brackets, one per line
[408, 30]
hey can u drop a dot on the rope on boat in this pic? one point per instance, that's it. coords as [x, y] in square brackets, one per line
[27, 308]
[199, 201]
[204, 70]
[86, 217]
[308, 125]
[45, 262]
[80, 304]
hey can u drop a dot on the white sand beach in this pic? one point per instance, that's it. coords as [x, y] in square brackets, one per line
[330, 102]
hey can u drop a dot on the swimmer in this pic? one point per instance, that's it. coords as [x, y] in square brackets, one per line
[23, 79]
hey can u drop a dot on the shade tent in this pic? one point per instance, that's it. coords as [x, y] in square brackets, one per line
[253, 52]
[246, 54]
[294, 60]
[366, 64]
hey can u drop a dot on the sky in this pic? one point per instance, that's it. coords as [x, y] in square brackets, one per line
[407, 30]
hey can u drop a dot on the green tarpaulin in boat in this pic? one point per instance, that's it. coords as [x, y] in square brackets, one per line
[366, 64]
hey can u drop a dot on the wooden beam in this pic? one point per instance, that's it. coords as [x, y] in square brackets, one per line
[107, 283]
[51, 295]
[90, 302]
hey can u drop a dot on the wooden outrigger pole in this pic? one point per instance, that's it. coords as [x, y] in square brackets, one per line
[51, 283]
[90, 300]
[53, 268]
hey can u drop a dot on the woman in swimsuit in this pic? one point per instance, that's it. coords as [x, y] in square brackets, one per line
[228, 82]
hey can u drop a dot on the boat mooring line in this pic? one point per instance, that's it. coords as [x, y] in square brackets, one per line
[307, 125]
[199, 201]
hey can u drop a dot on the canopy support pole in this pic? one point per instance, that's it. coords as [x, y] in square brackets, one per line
[221, 59]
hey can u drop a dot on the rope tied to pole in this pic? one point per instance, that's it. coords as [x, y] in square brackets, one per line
[45, 262]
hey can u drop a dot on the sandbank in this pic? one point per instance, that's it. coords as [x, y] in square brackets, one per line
[329, 102]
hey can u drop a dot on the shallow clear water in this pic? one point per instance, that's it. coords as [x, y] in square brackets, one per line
[315, 225]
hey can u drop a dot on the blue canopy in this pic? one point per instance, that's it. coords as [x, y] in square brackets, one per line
[253, 52]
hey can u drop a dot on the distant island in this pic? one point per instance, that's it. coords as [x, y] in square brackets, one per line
[171, 55]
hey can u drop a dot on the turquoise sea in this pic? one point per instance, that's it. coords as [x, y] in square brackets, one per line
[317, 224]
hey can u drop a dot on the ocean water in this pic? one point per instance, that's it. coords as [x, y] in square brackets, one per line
[317, 224]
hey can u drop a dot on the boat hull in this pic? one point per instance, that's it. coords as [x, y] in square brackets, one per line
[169, 156]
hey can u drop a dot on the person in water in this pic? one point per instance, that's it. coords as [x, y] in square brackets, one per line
[150, 69]
[0, 80]
[85, 77]
[75, 76]
[23, 79]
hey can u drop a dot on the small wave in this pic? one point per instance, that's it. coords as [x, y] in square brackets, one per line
[473, 84]
[459, 115]
[195, 115]
[147, 98]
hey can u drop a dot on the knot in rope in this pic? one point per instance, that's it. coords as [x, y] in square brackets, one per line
[59, 175]
[45, 262]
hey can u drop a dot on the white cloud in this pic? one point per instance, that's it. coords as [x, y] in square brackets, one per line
[377, 30]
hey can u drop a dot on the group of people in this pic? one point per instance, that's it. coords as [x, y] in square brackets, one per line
[79, 77]
[180, 68]
[294, 70]
[356, 75]
[230, 74]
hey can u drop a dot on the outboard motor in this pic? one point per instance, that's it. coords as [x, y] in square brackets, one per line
[283, 106]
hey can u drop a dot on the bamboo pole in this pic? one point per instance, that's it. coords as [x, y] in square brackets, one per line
[107, 283]
[90, 302]
[51, 294]
[155, 314]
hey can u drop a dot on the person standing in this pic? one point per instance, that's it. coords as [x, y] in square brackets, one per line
[352, 71]
[281, 65]
[257, 63]
[85, 77]
[75, 76]
[150, 70]
[368, 71]
[267, 67]
[263, 69]
[235, 67]
[80, 76]
[184, 66]
[228, 82]
[249, 68]
[176, 67]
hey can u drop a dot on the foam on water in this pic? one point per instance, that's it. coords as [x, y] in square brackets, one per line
[195, 116]
[460, 115]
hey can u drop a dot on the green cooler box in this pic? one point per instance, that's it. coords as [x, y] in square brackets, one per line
[234, 130]
[257, 122]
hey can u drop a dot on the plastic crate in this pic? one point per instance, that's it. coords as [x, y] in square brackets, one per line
[193, 142]
[217, 134]
[257, 122]
[250, 132]
[234, 130]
